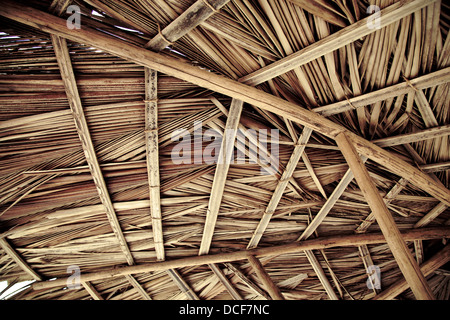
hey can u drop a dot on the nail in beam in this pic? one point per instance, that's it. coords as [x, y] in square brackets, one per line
[400, 251]
[353, 240]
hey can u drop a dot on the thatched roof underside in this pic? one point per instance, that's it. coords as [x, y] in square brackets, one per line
[56, 211]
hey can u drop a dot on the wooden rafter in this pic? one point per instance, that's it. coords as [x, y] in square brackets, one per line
[220, 176]
[198, 12]
[67, 74]
[18, 259]
[313, 244]
[398, 247]
[184, 287]
[337, 40]
[321, 275]
[237, 272]
[171, 66]
[152, 151]
[226, 283]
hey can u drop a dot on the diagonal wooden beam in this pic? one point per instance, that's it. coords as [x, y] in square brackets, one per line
[152, 157]
[352, 240]
[68, 77]
[184, 287]
[137, 286]
[237, 272]
[223, 164]
[337, 40]
[198, 12]
[431, 215]
[92, 291]
[279, 189]
[18, 259]
[398, 247]
[321, 275]
[264, 277]
[224, 280]
[171, 66]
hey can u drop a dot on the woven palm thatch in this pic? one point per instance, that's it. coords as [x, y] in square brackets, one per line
[349, 98]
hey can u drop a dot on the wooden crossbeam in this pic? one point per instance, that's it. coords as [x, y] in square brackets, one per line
[264, 277]
[152, 157]
[337, 40]
[223, 164]
[431, 215]
[173, 67]
[65, 66]
[398, 247]
[435, 262]
[92, 291]
[224, 280]
[353, 240]
[137, 286]
[18, 259]
[279, 189]
[198, 12]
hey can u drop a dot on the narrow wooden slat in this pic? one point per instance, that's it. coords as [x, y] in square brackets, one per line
[226, 283]
[279, 189]
[430, 216]
[184, 287]
[92, 291]
[198, 12]
[426, 134]
[220, 176]
[269, 285]
[321, 274]
[398, 247]
[18, 259]
[319, 243]
[339, 39]
[65, 66]
[237, 272]
[138, 287]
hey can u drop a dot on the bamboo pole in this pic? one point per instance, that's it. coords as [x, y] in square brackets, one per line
[353, 240]
[401, 253]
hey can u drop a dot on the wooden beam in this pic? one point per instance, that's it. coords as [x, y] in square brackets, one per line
[173, 67]
[18, 259]
[321, 274]
[398, 247]
[152, 156]
[352, 240]
[68, 77]
[269, 285]
[137, 286]
[435, 262]
[420, 135]
[198, 12]
[220, 177]
[430, 216]
[92, 291]
[337, 40]
[281, 186]
[224, 280]
[184, 287]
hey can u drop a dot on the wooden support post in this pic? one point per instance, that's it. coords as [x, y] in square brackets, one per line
[401, 253]
[353, 240]
[271, 287]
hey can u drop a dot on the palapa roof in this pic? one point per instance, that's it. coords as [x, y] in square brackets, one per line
[89, 181]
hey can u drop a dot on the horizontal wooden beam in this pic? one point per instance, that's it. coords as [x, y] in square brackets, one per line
[337, 40]
[174, 67]
[396, 244]
[352, 240]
